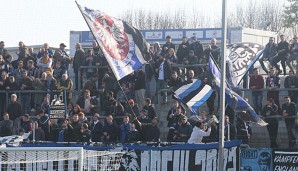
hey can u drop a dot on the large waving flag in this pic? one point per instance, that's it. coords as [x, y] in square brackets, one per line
[193, 94]
[240, 58]
[121, 44]
[233, 99]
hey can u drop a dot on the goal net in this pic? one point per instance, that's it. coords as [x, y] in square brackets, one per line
[58, 159]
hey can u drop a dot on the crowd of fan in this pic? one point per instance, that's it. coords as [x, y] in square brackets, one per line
[124, 121]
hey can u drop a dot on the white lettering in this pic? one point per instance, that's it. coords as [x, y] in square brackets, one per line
[201, 159]
[212, 159]
[166, 157]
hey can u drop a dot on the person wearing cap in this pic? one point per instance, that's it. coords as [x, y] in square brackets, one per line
[167, 45]
[163, 71]
[198, 133]
[96, 128]
[197, 48]
[14, 108]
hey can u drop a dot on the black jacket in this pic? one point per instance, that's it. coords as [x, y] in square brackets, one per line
[96, 131]
[167, 68]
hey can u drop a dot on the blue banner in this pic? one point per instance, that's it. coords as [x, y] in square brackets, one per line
[253, 159]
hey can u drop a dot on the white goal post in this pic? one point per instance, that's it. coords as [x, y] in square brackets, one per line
[58, 158]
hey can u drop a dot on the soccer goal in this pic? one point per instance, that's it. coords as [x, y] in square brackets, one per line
[58, 159]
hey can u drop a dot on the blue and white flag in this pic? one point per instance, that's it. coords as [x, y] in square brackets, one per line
[240, 58]
[236, 102]
[121, 44]
[193, 94]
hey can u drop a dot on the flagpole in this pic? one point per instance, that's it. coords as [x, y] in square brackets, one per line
[105, 57]
[223, 87]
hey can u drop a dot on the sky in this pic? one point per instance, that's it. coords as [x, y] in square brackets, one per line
[38, 21]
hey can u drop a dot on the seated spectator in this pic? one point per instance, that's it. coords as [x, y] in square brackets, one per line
[26, 123]
[152, 133]
[198, 133]
[96, 129]
[124, 128]
[83, 119]
[39, 133]
[85, 135]
[149, 108]
[12, 84]
[175, 80]
[6, 126]
[14, 108]
[133, 134]
[184, 130]
[192, 59]
[76, 128]
[111, 131]
[269, 54]
[87, 104]
[45, 63]
[58, 71]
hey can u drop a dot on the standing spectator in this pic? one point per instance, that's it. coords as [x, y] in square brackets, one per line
[269, 111]
[107, 102]
[47, 49]
[230, 130]
[50, 85]
[291, 81]
[45, 63]
[269, 54]
[256, 83]
[3, 50]
[243, 130]
[17, 73]
[32, 54]
[171, 56]
[90, 62]
[197, 48]
[198, 133]
[282, 54]
[83, 119]
[163, 70]
[149, 108]
[96, 129]
[117, 110]
[192, 59]
[133, 134]
[273, 82]
[149, 73]
[175, 114]
[3, 65]
[184, 130]
[86, 103]
[43, 122]
[91, 85]
[168, 45]
[211, 99]
[293, 53]
[152, 133]
[14, 108]
[79, 60]
[124, 128]
[65, 57]
[25, 83]
[65, 85]
[288, 110]
[183, 50]
[109, 82]
[6, 126]
[39, 133]
[45, 105]
[133, 108]
[140, 88]
[110, 131]
[76, 125]
[174, 80]
[85, 135]
[213, 50]
[65, 134]
[26, 123]
[12, 84]
[32, 70]
[4, 82]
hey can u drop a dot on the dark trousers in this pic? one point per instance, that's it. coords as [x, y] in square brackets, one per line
[290, 125]
[210, 102]
[272, 128]
[282, 60]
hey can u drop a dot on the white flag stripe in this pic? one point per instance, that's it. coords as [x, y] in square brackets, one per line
[199, 96]
[182, 89]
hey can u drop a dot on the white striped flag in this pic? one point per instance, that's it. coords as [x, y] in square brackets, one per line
[193, 94]
[121, 44]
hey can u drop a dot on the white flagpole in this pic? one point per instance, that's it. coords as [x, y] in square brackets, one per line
[223, 88]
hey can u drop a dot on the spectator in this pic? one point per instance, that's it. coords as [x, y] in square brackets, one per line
[142, 120]
[25, 83]
[3, 50]
[124, 128]
[117, 110]
[149, 73]
[3, 65]
[43, 122]
[293, 53]
[63, 56]
[191, 75]
[83, 119]
[256, 83]
[150, 109]
[62, 133]
[26, 123]
[198, 133]
[291, 81]
[192, 59]
[120, 97]
[296, 130]
[273, 82]
[96, 129]
[65, 134]
[197, 48]
[175, 114]
[45, 105]
[17, 73]
[65, 85]
[168, 45]
[27, 58]
[85, 135]
[211, 99]
[152, 133]
[90, 62]
[133, 134]
[32, 54]
[110, 131]
[171, 56]
[39, 84]
[91, 85]
[282, 54]
[6, 126]
[140, 87]
[230, 130]
[269, 54]
[243, 130]
[213, 50]
[133, 109]
[184, 130]
[12, 84]
[288, 110]
[109, 82]
[269, 111]
[47, 49]
[39, 133]
[76, 125]
[14, 108]
[33, 72]
[3, 84]
[54, 130]
[183, 49]
[79, 60]
[45, 63]
[163, 70]
[87, 104]
[175, 80]
[58, 71]
[108, 102]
